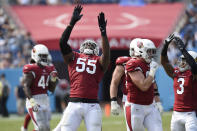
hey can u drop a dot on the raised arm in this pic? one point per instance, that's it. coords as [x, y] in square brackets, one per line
[66, 50]
[189, 59]
[105, 57]
[164, 58]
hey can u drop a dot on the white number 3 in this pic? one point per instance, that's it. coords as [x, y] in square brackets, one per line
[181, 86]
[81, 61]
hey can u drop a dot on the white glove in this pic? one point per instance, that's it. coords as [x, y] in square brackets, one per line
[159, 106]
[33, 104]
[115, 108]
[153, 67]
[53, 76]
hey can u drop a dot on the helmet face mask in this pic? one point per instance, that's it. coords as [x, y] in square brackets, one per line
[40, 54]
[182, 64]
[89, 47]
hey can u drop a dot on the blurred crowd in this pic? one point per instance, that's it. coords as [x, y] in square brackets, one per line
[15, 43]
[58, 2]
[187, 30]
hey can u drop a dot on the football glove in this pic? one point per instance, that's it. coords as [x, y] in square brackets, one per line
[76, 15]
[179, 43]
[115, 108]
[169, 39]
[53, 76]
[102, 23]
[33, 104]
[159, 106]
[153, 67]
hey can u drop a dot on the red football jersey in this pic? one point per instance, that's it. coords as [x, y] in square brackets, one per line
[122, 61]
[85, 74]
[135, 95]
[185, 91]
[41, 77]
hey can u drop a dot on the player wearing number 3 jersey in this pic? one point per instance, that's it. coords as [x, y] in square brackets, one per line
[85, 71]
[185, 86]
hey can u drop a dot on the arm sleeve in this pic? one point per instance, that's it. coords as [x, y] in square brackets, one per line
[190, 60]
[64, 47]
[164, 50]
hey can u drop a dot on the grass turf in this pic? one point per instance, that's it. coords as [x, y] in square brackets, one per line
[111, 123]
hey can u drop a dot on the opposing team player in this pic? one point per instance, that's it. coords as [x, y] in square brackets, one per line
[85, 71]
[39, 77]
[140, 70]
[185, 83]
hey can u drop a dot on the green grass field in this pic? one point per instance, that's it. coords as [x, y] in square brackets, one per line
[112, 123]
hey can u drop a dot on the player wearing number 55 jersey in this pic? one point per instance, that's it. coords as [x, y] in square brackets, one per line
[38, 77]
[185, 86]
[85, 71]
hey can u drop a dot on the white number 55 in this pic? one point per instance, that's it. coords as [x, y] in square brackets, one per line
[91, 63]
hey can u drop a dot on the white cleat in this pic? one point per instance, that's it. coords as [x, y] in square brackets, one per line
[23, 129]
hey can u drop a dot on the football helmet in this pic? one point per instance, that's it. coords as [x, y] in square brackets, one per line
[40, 54]
[145, 49]
[89, 47]
[132, 46]
[49, 59]
[182, 64]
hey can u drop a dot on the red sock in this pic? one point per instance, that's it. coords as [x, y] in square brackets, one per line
[27, 120]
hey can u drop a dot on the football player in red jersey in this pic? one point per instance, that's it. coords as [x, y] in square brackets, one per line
[185, 83]
[119, 77]
[141, 112]
[27, 116]
[38, 77]
[85, 69]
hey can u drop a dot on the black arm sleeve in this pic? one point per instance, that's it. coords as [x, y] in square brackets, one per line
[64, 47]
[164, 49]
[190, 60]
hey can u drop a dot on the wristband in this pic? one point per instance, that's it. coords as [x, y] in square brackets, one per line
[114, 99]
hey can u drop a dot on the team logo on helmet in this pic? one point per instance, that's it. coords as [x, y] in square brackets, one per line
[34, 50]
[140, 44]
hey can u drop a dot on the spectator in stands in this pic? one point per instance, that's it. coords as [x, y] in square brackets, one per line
[191, 11]
[20, 98]
[4, 95]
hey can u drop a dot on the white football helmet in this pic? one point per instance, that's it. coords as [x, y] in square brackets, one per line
[132, 46]
[40, 54]
[146, 49]
[89, 47]
[182, 64]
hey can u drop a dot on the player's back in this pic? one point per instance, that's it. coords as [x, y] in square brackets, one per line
[85, 73]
